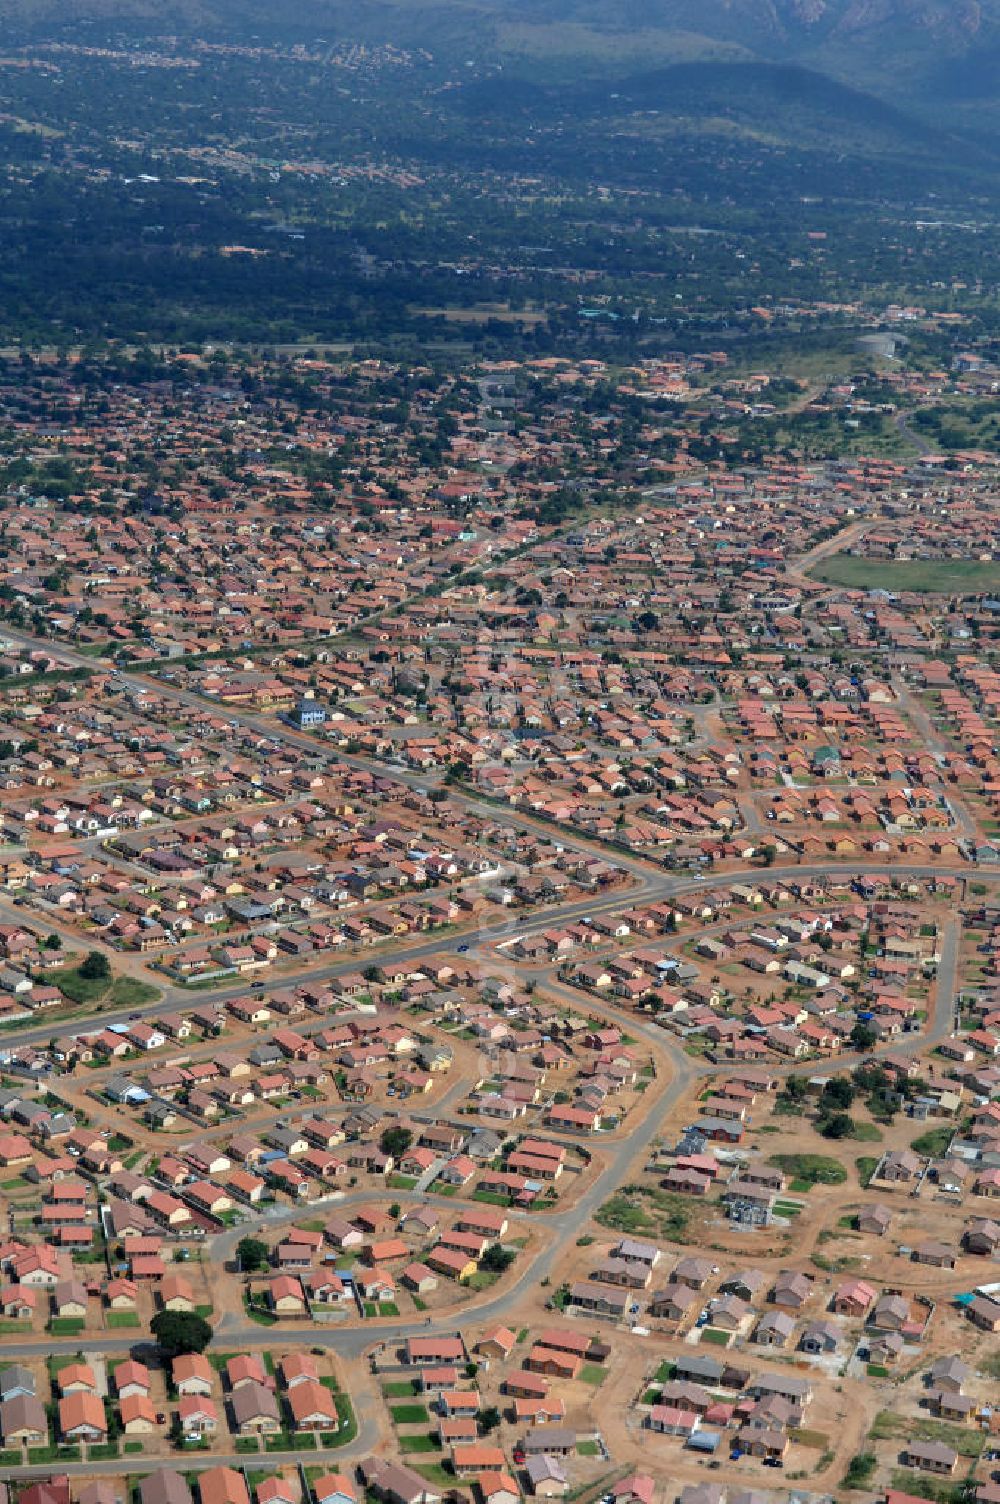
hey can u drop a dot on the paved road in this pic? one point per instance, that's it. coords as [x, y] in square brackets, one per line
[939, 748]
[652, 887]
[916, 439]
[677, 1072]
[183, 1462]
[672, 1082]
[557, 1229]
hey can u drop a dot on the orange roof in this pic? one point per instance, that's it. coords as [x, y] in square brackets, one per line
[298, 1366]
[136, 1407]
[191, 1366]
[222, 1485]
[492, 1483]
[76, 1373]
[477, 1455]
[81, 1408]
[310, 1398]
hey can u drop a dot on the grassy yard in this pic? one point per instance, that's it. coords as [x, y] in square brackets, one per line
[715, 1336]
[806, 1438]
[414, 1444]
[934, 1142]
[810, 1169]
[401, 1389]
[410, 1415]
[347, 1428]
[438, 1476]
[593, 1373]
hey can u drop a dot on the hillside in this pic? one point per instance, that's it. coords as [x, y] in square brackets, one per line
[890, 44]
[938, 60]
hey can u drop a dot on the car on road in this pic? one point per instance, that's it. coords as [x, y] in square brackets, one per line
[462, 949]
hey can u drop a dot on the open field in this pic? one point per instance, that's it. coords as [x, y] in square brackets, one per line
[926, 576]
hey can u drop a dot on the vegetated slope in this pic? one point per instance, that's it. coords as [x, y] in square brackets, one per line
[781, 105]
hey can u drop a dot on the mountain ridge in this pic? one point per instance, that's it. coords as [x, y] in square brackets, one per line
[919, 54]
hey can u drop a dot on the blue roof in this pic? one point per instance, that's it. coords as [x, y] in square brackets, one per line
[704, 1441]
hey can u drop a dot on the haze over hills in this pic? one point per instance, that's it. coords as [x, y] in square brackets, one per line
[893, 43]
[933, 61]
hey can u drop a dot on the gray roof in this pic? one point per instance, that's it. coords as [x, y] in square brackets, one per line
[251, 1400]
[23, 1412]
[165, 1486]
[16, 1379]
[396, 1480]
[776, 1321]
[779, 1383]
[543, 1468]
[701, 1493]
[542, 1439]
[708, 1369]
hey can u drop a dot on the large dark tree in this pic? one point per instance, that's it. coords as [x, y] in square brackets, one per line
[95, 967]
[180, 1332]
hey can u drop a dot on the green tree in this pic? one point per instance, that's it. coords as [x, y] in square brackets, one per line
[95, 967]
[863, 1036]
[837, 1093]
[496, 1259]
[395, 1141]
[252, 1253]
[180, 1332]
